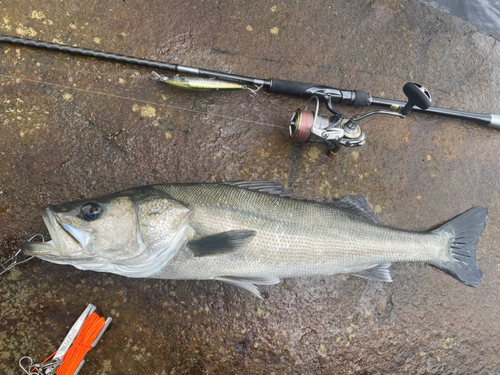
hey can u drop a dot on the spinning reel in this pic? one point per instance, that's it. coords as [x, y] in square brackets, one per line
[338, 130]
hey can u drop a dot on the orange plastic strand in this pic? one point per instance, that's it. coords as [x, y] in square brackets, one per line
[82, 344]
[46, 359]
[50, 357]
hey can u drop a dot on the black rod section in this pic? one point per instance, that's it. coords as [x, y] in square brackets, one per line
[88, 52]
[482, 119]
[136, 61]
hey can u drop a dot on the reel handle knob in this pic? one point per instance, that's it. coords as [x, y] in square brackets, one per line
[417, 96]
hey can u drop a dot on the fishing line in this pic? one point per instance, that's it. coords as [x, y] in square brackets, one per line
[83, 343]
[123, 73]
[68, 359]
[13, 261]
[138, 100]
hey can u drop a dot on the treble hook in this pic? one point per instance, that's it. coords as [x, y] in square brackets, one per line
[253, 92]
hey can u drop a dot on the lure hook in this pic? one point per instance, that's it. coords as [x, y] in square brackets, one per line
[253, 92]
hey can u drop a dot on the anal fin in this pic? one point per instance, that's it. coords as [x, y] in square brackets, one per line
[247, 283]
[378, 273]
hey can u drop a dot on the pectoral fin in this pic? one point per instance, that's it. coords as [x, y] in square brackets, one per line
[221, 243]
[247, 283]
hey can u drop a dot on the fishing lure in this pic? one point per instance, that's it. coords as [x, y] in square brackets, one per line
[195, 83]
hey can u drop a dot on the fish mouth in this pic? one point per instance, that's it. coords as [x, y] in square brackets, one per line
[43, 250]
[67, 241]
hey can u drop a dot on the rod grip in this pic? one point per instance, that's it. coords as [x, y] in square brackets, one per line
[327, 94]
[289, 87]
[361, 99]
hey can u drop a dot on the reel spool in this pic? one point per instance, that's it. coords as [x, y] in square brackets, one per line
[311, 126]
[300, 125]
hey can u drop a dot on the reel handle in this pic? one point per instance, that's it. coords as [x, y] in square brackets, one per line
[417, 96]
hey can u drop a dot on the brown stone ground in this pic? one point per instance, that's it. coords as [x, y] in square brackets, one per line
[75, 127]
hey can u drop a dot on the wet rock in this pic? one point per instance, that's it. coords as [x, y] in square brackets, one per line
[75, 127]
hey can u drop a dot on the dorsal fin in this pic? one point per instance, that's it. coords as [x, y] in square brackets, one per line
[354, 204]
[268, 187]
[357, 205]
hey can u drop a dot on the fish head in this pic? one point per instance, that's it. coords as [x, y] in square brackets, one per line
[133, 232]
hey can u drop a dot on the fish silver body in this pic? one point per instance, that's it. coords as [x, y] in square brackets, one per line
[246, 233]
[294, 238]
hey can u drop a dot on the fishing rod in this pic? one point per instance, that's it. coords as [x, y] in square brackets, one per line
[335, 131]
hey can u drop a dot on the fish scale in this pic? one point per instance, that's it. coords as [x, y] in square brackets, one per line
[316, 238]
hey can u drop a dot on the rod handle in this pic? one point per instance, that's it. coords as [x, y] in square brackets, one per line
[353, 98]
[280, 86]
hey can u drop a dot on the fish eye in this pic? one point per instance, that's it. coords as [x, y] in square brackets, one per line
[91, 211]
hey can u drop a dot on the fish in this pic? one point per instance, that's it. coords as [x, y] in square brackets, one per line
[246, 234]
[196, 83]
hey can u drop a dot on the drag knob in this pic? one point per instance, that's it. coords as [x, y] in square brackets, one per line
[417, 96]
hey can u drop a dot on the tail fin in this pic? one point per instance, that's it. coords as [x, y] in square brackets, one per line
[465, 231]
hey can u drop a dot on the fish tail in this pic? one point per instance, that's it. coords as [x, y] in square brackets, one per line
[464, 231]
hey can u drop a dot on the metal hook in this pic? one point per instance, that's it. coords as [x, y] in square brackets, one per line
[13, 262]
[253, 92]
[30, 366]
[46, 368]
[156, 76]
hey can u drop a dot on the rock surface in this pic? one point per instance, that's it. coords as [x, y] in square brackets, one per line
[75, 127]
